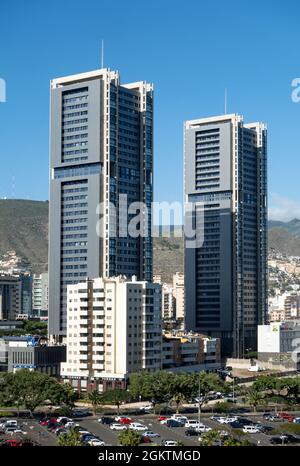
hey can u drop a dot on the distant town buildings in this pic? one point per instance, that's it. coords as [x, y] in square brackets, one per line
[178, 294]
[101, 134]
[113, 329]
[172, 297]
[226, 273]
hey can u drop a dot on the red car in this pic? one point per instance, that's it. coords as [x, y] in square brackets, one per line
[162, 418]
[145, 439]
[125, 420]
[288, 417]
[12, 443]
[45, 422]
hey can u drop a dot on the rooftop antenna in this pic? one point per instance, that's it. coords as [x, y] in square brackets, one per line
[225, 101]
[102, 54]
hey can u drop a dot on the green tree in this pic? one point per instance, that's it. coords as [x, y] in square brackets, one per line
[115, 397]
[71, 439]
[208, 439]
[255, 398]
[129, 438]
[95, 399]
[234, 442]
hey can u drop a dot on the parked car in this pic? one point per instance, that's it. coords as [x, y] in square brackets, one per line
[174, 423]
[70, 424]
[281, 440]
[106, 420]
[265, 429]
[63, 420]
[169, 443]
[296, 420]
[14, 430]
[228, 420]
[138, 426]
[162, 418]
[286, 416]
[203, 429]
[250, 430]
[274, 418]
[193, 423]
[191, 433]
[236, 425]
[149, 433]
[125, 420]
[94, 442]
[117, 426]
[179, 417]
[146, 408]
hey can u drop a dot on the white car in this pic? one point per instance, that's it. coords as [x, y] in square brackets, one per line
[138, 427]
[63, 419]
[179, 416]
[227, 420]
[70, 424]
[203, 429]
[94, 442]
[116, 426]
[193, 423]
[14, 430]
[169, 443]
[250, 430]
[146, 408]
[150, 434]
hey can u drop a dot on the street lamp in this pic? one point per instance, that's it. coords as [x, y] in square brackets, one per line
[199, 400]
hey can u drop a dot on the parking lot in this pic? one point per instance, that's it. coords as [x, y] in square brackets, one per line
[42, 436]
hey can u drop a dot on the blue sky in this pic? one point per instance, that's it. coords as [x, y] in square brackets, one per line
[190, 49]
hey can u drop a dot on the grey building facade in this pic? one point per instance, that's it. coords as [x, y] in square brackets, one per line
[101, 138]
[226, 277]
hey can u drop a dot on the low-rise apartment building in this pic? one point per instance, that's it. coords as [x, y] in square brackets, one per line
[190, 352]
[113, 329]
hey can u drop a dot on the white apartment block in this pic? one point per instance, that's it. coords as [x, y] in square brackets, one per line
[113, 329]
[40, 293]
[168, 310]
[178, 294]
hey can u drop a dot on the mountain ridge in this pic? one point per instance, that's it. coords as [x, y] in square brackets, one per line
[24, 229]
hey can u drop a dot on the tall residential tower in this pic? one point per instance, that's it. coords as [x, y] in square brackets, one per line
[101, 147]
[226, 277]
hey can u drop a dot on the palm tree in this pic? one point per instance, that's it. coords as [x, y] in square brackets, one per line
[95, 399]
[255, 398]
[71, 439]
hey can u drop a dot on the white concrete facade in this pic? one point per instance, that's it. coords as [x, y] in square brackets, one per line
[113, 329]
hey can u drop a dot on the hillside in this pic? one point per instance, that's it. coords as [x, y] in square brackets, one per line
[24, 229]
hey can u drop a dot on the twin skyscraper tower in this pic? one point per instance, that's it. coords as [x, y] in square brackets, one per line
[101, 155]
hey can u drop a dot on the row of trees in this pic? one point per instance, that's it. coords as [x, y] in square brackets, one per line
[175, 388]
[32, 389]
[269, 389]
[161, 388]
[29, 327]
